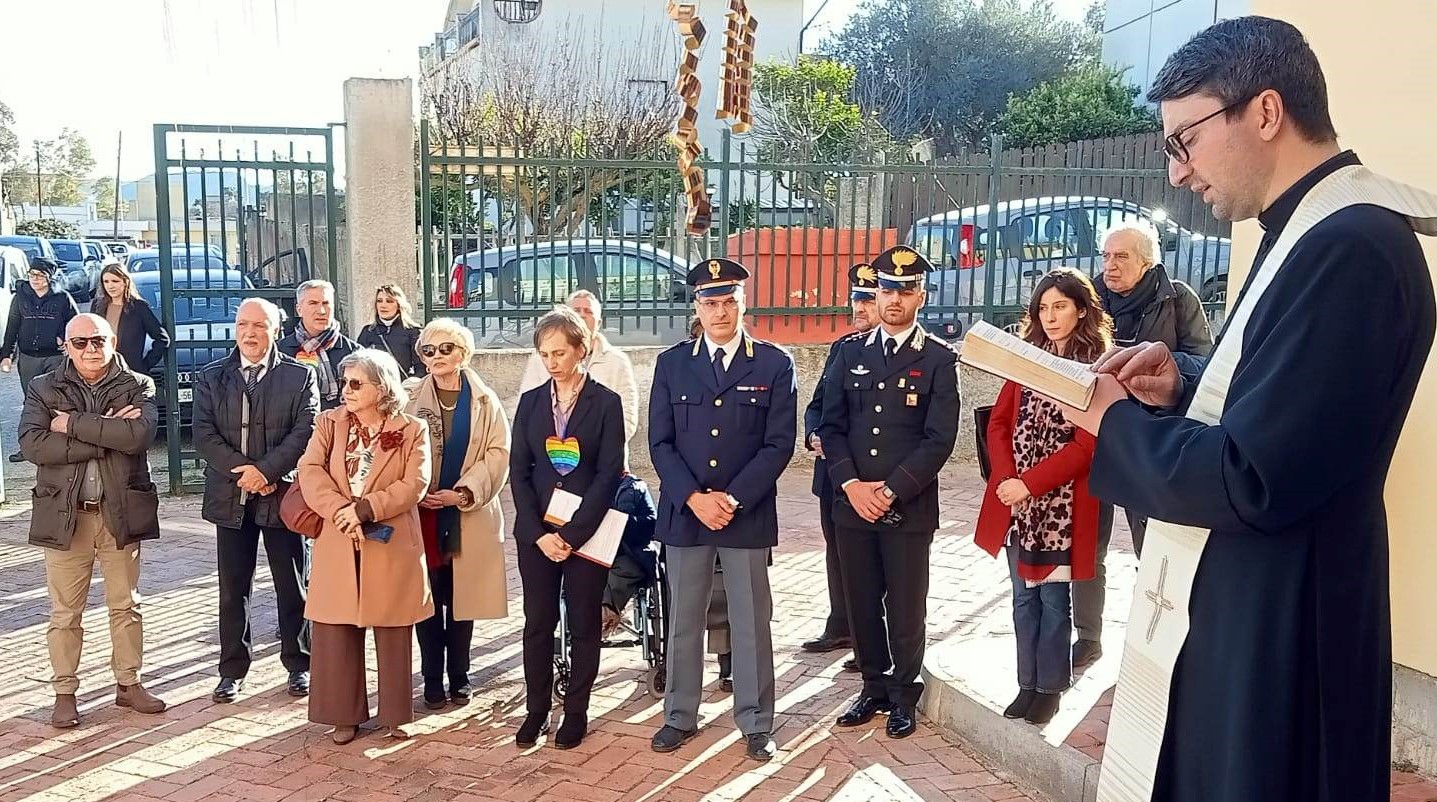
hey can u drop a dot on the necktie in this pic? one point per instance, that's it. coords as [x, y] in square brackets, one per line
[719, 371]
[251, 378]
[890, 347]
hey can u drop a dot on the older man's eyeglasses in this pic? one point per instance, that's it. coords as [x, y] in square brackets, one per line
[96, 343]
[1177, 149]
[444, 349]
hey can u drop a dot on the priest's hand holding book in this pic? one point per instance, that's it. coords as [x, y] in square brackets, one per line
[1147, 370]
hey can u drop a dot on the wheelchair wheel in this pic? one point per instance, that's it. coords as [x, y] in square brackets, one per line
[561, 680]
[657, 680]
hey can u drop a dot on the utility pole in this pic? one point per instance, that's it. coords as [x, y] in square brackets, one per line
[39, 189]
[119, 143]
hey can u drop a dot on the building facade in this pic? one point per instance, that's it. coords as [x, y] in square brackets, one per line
[1139, 35]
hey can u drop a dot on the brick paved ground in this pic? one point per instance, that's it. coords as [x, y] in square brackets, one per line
[264, 749]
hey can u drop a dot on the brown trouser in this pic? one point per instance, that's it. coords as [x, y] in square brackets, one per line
[338, 695]
[67, 576]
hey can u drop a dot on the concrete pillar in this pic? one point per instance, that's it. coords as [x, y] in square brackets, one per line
[379, 196]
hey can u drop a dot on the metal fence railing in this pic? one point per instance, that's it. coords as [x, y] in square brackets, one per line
[506, 234]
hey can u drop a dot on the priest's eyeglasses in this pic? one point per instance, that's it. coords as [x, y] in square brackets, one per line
[1177, 149]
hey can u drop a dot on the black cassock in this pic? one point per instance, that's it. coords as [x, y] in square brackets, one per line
[1283, 690]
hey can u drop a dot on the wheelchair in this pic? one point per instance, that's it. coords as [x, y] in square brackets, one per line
[646, 627]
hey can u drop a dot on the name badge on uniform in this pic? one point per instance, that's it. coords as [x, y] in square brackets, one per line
[912, 400]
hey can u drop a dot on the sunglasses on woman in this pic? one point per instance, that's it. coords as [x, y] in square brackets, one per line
[428, 351]
[96, 343]
[354, 385]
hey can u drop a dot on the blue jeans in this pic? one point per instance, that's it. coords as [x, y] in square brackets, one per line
[1043, 624]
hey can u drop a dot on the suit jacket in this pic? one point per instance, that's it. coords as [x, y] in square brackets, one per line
[597, 422]
[894, 422]
[813, 415]
[734, 438]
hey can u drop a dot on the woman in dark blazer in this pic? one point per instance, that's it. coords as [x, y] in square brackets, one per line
[394, 330]
[568, 436]
[132, 319]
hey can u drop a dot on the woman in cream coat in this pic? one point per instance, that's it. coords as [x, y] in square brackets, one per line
[460, 516]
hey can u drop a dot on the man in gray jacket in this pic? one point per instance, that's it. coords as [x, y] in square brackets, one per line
[87, 426]
[1147, 306]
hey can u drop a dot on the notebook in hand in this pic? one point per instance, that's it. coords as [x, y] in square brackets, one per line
[604, 545]
[992, 350]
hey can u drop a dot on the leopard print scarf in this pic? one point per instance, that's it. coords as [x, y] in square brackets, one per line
[1042, 527]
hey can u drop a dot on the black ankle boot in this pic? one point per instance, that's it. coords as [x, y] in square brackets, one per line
[1020, 706]
[1044, 707]
[533, 726]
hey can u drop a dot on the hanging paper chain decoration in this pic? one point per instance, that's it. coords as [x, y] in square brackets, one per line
[735, 99]
[686, 137]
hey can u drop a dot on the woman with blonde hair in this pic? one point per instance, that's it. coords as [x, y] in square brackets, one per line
[364, 472]
[394, 330]
[460, 516]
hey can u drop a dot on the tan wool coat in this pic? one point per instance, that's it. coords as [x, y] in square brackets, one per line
[480, 588]
[385, 584]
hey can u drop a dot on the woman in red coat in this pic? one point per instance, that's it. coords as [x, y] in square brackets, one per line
[1037, 502]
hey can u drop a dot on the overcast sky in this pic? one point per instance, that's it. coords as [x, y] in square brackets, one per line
[106, 67]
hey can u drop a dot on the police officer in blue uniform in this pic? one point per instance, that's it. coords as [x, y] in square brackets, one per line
[863, 288]
[890, 420]
[723, 418]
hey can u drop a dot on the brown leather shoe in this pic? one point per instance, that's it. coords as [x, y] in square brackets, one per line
[66, 714]
[138, 699]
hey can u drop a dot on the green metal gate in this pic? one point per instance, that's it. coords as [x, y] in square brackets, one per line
[242, 212]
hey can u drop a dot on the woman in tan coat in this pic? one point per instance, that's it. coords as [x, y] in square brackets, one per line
[364, 471]
[461, 518]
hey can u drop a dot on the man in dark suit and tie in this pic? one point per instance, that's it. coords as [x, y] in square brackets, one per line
[723, 415]
[890, 420]
[863, 286]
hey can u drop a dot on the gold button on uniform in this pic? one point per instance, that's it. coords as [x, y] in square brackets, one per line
[714, 432]
[718, 402]
[683, 398]
[878, 408]
[713, 463]
[872, 452]
[875, 430]
[880, 385]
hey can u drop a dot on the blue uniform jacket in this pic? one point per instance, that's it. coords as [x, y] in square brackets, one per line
[737, 439]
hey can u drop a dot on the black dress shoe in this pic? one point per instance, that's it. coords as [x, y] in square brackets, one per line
[828, 643]
[460, 693]
[725, 662]
[534, 726]
[571, 732]
[434, 698]
[1085, 653]
[902, 721]
[761, 746]
[1020, 706]
[669, 739]
[16, 457]
[851, 665]
[299, 684]
[227, 691]
[862, 711]
[1043, 709]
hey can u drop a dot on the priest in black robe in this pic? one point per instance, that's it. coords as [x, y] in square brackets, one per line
[1283, 689]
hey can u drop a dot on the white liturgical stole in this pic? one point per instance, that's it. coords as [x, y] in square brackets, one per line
[1158, 622]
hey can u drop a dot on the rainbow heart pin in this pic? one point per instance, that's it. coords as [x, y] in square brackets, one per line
[563, 454]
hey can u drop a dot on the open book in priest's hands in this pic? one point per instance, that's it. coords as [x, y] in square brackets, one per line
[992, 350]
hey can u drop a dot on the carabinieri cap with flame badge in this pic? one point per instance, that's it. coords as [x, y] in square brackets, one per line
[862, 282]
[717, 277]
[901, 268]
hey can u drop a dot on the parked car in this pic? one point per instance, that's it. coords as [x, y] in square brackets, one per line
[82, 261]
[32, 246]
[196, 319]
[148, 261]
[121, 250]
[14, 271]
[513, 285]
[1032, 236]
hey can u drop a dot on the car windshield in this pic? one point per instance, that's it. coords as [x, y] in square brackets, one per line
[195, 310]
[151, 264]
[69, 251]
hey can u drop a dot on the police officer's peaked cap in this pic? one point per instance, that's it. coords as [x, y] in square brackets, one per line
[716, 277]
[900, 267]
[862, 281]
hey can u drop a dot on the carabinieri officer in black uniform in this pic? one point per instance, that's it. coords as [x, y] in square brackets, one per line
[723, 418]
[863, 289]
[890, 419]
